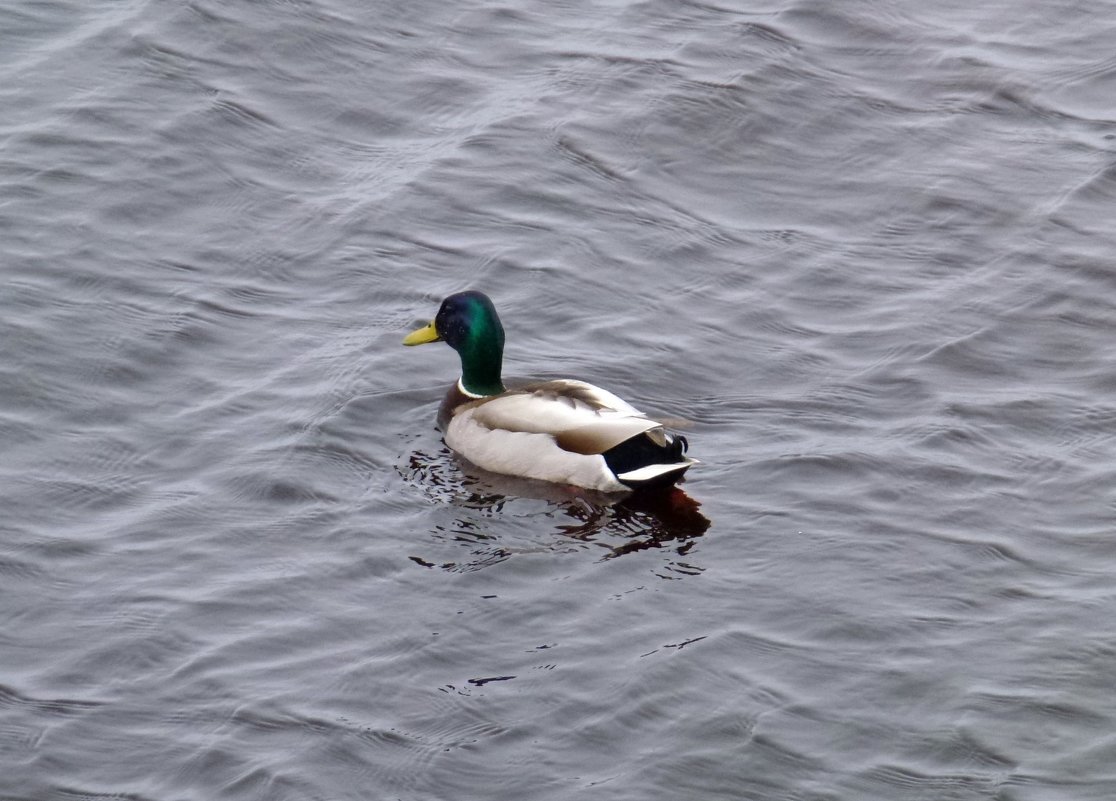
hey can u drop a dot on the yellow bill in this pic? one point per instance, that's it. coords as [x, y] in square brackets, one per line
[422, 336]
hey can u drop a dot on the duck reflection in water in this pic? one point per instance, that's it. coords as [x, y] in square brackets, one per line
[666, 517]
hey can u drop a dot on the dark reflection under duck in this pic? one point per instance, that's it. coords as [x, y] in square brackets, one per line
[665, 518]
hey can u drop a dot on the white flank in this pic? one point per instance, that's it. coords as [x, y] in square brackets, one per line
[514, 434]
[528, 454]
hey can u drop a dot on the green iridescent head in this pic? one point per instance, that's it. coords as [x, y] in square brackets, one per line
[468, 323]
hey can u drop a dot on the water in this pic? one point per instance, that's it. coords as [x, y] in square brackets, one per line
[865, 250]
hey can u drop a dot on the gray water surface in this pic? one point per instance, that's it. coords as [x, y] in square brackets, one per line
[865, 250]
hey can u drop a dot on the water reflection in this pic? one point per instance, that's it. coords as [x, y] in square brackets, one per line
[652, 520]
[619, 525]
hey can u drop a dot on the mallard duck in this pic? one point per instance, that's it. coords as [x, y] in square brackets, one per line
[564, 431]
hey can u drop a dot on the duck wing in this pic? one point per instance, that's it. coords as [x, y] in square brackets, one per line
[581, 417]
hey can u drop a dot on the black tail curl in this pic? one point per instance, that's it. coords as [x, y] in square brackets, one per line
[641, 451]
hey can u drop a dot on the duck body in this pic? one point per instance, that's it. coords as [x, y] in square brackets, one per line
[564, 431]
